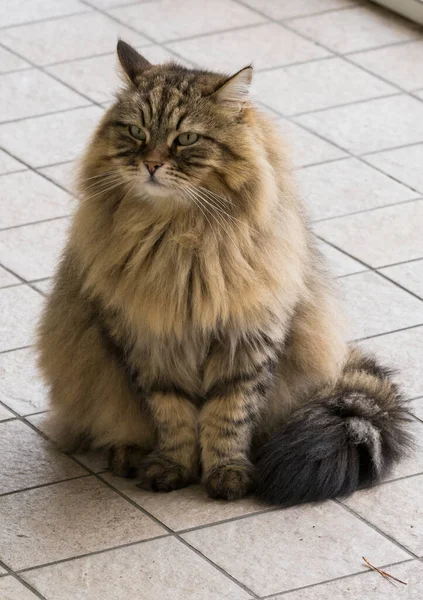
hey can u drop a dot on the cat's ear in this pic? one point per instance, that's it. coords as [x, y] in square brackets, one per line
[132, 63]
[234, 91]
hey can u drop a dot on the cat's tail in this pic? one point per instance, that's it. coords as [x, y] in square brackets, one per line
[346, 436]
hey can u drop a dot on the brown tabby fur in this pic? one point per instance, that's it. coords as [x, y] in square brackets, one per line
[187, 322]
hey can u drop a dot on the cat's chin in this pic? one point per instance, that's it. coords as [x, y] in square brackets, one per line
[153, 190]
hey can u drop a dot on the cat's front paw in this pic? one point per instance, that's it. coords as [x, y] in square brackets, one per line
[231, 481]
[161, 474]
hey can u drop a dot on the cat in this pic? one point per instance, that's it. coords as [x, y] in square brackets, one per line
[193, 330]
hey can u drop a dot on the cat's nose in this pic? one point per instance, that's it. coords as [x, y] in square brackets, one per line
[152, 166]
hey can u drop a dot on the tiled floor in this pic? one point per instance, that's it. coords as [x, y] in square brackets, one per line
[344, 80]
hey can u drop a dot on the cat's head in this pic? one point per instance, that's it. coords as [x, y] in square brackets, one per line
[174, 131]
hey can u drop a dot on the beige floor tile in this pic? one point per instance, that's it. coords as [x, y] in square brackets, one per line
[396, 509]
[31, 92]
[23, 11]
[45, 201]
[416, 407]
[305, 148]
[11, 589]
[33, 251]
[378, 237]
[8, 164]
[362, 128]
[260, 45]
[346, 186]
[400, 64]
[404, 164]
[21, 387]
[419, 93]
[66, 520]
[6, 278]
[339, 264]
[154, 570]
[28, 460]
[44, 285]
[68, 38]
[265, 552]
[63, 174]
[283, 9]
[374, 306]
[4, 415]
[97, 77]
[316, 85]
[96, 461]
[409, 275]
[359, 28]
[191, 18]
[54, 138]
[19, 310]
[103, 4]
[402, 351]
[412, 464]
[2, 571]
[186, 508]
[371, 584]
[11, 62]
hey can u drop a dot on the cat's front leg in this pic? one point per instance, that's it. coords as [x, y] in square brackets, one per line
[175, 461]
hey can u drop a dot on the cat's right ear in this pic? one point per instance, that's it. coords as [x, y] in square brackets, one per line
[132, 63]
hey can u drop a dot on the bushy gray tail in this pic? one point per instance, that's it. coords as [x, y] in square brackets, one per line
[347, 436]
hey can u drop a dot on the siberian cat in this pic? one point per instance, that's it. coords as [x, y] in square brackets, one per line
[192, 329]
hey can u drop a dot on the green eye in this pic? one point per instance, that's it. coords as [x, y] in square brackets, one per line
[137, 133]
[187, 139]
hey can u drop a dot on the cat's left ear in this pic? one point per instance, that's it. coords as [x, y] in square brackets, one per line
[234, 91]
[132, 63]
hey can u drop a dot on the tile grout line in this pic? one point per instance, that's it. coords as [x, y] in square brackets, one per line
[45, 20]
[47, 114]
[18, 578]
[22, 282]
[30, 223]
[359, 212]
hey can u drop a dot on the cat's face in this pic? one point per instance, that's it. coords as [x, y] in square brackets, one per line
[174, 132]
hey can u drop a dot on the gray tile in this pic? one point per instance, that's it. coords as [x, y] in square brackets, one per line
[371, 584]
[29, 197]
[54, 138]
[14, 12]
[19, 310]
[31, 92]
[283, 9]
[346, 186]
[419, 93]
[404, 164]
[63, 174]
[304, 147]
[186, 508]
[11, 589]
[316, 85]
[68, 38]
[97, 77]
[21, 387]
[191, 17]
[339, 264]
[158, 569]
[65, 520]
[362, 128]
[412, 464]
[103, 4]
[7, 278]
[409, 275]
[355, 29]
[416, 407]
[260, 45]
[403, 351]
[396, 509]
[27, 459]
[4, 415]
[33, 251]
[8, 164]
[374, 306]
[378, 237]
[400, 64]
[11, 62]
[96, 461]
[265, 552]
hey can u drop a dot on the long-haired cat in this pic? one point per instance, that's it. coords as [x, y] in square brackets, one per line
[192, 329]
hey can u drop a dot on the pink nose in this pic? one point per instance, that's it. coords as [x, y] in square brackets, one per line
[152, 166]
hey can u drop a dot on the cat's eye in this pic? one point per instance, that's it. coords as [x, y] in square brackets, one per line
[137, 133]
[187, 139]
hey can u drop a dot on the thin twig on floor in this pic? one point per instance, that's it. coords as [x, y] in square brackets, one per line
[384, 574]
